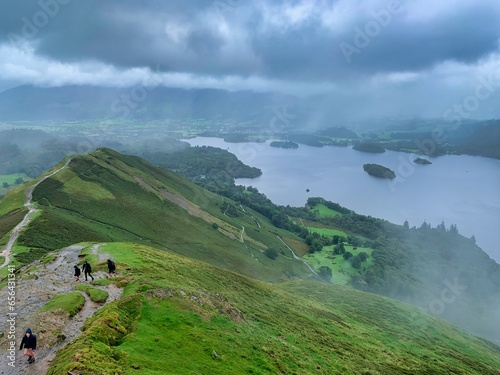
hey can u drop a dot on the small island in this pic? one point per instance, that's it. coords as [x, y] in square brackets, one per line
[369, 147]
[284, 144]
[421, 161]
[379, 171]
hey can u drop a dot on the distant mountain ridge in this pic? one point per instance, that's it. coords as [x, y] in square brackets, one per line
[72, 103]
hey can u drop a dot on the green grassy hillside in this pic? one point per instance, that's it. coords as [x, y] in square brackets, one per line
[184, 312]
[105, 196]
[192, 318]
[434, 268]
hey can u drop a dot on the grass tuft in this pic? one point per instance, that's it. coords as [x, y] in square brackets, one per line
[70, 303]
[96, 295]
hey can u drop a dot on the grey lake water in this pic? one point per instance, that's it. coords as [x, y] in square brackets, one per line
[457, 189]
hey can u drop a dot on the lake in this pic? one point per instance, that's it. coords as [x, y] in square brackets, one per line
[456, 189]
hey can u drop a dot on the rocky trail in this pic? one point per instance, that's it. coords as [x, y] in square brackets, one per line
[36, 286]
[27, 218]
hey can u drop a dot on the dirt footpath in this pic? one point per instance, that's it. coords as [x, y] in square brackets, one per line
[35, 288]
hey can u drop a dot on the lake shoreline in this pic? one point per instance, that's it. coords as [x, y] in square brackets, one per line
[448, 190]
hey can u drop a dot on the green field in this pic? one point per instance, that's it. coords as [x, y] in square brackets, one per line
[12, 181]
[329, 232]
[322, 211]
[341, 268]
[198, 319]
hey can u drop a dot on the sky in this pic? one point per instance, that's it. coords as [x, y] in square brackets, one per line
[388, 57]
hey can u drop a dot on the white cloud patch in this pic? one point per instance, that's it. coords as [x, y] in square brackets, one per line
[27, 68]
[427, 50]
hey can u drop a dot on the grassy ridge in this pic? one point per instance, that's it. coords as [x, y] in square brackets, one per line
[192, 318]
[105, 196]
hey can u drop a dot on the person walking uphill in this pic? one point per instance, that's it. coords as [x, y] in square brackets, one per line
[111, 268]
[77, 273]
[29, 344]
[87, 270]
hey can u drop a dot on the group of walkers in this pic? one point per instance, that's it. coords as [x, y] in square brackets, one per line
[28, 341]
[87, 270]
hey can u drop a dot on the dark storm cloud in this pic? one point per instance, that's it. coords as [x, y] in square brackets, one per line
[143, 33]
[315, 51]
[338, 42]
[403, 45]
[134, 34]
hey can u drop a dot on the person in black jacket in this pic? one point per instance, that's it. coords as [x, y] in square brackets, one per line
[77, 273]
[29, 344]
[87, 270]
[111, 268]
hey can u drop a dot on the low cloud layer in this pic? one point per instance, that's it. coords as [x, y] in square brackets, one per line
[421, 55]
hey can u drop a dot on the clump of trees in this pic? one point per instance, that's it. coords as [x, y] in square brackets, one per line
[379, 171]
[271, 253]
[325, 273]
[369, 147]
[284, 144]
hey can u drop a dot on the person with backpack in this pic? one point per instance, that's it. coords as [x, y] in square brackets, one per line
[111, 268]
[87, 270]
[77, 273]
[29, 344]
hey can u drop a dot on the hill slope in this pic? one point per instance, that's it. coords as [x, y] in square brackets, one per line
[106, 196]
[193, 318]
[196, 318]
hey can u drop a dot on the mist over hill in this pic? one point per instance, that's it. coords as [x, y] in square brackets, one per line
[99, 114]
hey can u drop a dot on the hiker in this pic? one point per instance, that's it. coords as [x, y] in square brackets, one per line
[87, 270]
[111, 268]
[77, 273]
[29, 344]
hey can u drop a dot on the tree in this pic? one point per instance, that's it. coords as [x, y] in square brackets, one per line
[325, 273]
[316, 245]
[355, 241]
[406, 225]
[356, 262]
[453, 229]
[339, 249]
[425, 225]
[441, 227]
[19, 181]
[362, 256]
[347, 255]
[271, 254]
[5, 185]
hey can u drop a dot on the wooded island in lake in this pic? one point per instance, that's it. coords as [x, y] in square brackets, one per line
[379, 171]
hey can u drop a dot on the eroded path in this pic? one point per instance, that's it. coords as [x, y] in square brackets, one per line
[27, 218]
[37, 285]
